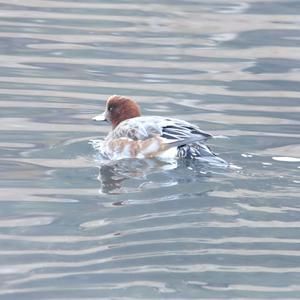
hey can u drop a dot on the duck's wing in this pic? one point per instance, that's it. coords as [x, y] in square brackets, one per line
[175, 129]
[170, 130]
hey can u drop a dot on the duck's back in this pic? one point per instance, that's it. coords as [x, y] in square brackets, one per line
[170, 129]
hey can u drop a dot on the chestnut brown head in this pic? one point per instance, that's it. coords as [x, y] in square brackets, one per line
[118, 109]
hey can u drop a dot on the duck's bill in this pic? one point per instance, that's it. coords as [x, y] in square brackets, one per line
[101, 117]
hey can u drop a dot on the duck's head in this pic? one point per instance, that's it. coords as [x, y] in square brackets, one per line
[118, 109]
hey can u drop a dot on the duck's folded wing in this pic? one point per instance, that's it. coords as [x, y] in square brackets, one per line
[169, 129]
[174, 129]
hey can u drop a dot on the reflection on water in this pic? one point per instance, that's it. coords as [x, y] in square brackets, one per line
[112, 174]
[152, 173]
[73, 227]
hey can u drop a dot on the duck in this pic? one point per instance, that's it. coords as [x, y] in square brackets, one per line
[143, 137]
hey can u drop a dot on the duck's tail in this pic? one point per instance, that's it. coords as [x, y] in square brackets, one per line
[200, 152]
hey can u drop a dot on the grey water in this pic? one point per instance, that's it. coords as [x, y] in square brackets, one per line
[73, 228]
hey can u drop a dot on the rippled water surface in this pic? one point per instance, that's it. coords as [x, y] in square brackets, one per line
[73, 228]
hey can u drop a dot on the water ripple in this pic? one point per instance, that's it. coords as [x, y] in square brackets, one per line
[73, 227]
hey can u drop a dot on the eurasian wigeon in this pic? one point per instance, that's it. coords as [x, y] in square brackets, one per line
[134, 136]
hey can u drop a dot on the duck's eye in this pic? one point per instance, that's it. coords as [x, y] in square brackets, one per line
[110, 108]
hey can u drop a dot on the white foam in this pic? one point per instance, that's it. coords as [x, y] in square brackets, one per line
[286, 158]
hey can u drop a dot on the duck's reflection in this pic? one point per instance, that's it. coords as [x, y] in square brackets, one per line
[133, 175]
[129, 175]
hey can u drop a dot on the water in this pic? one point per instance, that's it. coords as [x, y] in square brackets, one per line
[71, 228]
